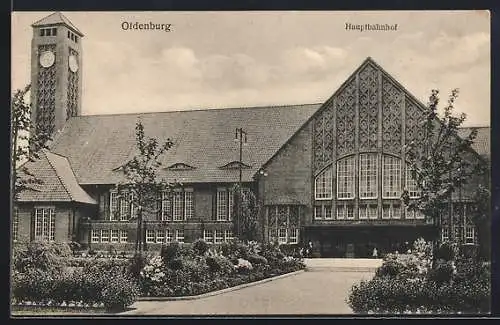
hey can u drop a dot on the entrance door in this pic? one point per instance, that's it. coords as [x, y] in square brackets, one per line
[349, 250]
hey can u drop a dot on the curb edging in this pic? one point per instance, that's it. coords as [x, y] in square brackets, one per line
[218, 292]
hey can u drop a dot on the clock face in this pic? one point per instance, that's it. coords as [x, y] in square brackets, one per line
[47, 59]
[73, 63]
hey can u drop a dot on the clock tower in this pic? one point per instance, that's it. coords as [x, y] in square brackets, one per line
[56, 77]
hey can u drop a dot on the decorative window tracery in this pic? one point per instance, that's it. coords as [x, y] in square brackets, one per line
[73, 80]
[46, 93]
[392, 98]
[368, 108]
[346, 114]
[323, 137]
[323, 185]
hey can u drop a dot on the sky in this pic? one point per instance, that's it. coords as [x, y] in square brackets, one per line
[240, 59]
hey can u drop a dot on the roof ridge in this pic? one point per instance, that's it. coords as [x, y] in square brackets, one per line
[206, 109]
[57, 174]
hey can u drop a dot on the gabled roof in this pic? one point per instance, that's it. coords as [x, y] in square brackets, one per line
[95, 145]
[482, 142]
[58, 183]
[56, 18]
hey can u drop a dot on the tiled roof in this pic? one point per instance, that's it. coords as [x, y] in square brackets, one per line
[58, 183]
[482, 143]
[96, 146]
[55, 19]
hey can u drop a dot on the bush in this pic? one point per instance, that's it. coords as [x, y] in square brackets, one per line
[442, 272]
[170, 251]
[406, 266]
[175, 264]
[136, 264]
[257, 259]
[446, 252]
[48, 257]
[200, 247]
[119, 291]
[219, 264]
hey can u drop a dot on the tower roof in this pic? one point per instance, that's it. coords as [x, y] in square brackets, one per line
[56, 18]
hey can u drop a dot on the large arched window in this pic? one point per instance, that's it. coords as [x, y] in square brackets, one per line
[368, 176]
[391, 177]
[345, 178]
[323, 185]
[411, 183]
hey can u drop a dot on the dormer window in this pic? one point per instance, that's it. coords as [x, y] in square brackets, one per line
[180, 166]
[235, 165]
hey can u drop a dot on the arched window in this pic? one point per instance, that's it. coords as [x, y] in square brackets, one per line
[345, 178]
[411, 183]
[391, 177]
[368, 176]
[323, 185]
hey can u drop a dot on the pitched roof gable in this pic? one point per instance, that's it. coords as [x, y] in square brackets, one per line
[95, 145]
[56, 18]
[58, 183]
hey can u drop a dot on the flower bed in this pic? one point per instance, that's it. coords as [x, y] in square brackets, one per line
[411, 283]
[47, 275]
[190, 272]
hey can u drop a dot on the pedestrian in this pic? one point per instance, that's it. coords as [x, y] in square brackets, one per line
[375, 252]
[310, 248]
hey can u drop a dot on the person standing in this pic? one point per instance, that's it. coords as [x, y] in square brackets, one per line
[375, 252]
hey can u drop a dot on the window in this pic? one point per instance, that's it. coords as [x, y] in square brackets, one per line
[115, 236]
[160, 236]
[150, 235]
[42, 32]
[368, 176]
[113, 198]
[391, 177]
[69, 34]
[45, 225]
[179, 235]
[95, 236]
[283, 218]
[445, 234]
[123, 236]
[293, 237]
[345, 212]
[345, 178]
[228, 234]
[222, 199]
[177, 206]
[15, 225]
[166, 206]
[54, 31]
[125, 206]
[282, 236]
[219, 236]
[169, 235]
[391, 211]
[105, 236]
[470, 235]
[323, 185]
[414, 214]
[188, 202]
[368, 211]
[411, 183]
[230, 204]
[208, 236]
[323, 212]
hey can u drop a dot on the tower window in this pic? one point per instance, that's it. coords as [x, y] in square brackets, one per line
[69, 34]
[42, 32]
[54, 31]
[76, 39]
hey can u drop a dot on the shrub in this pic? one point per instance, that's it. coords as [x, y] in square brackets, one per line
[136, 264]
[200, 247]
[48, 257]
[446, 252]
[406, 266]
[119, 291]
[257, 259]
[243, 266]
[170, 251]
[219, 264]
[175, 264]
[442, 272]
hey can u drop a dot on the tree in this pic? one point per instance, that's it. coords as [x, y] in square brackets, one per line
[246, 213]
[27, 140]
[481, 217]
[142, 185]
[441, 161]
